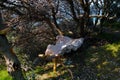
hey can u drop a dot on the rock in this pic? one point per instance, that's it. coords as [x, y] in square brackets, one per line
[63, 45]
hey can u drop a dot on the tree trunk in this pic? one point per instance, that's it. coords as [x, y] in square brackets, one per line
[12, 62]
[82, 31]
[55, 30]
[77, 20]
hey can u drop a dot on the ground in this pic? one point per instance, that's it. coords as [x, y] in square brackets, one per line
[97, 59]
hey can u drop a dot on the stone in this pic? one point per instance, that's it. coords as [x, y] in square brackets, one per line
[63, 45]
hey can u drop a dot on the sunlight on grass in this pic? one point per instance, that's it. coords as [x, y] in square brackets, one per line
[50, 75]
[4, 75]
[106, 60]
[114, 48]
[46, 72]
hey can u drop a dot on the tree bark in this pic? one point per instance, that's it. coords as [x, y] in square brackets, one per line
[12, 62]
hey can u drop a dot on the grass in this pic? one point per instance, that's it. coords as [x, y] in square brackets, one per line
[100, 62]
[105, 60]
[4, 75]
[3, 72]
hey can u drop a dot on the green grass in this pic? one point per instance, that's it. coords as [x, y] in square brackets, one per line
[4, 75]
[105, 60]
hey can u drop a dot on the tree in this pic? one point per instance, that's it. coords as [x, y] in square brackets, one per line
[12, 62]
[37, 22]
[24, 11]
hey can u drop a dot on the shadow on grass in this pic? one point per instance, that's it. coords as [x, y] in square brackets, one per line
[99, 59]
[101, 63]
[105, 60]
